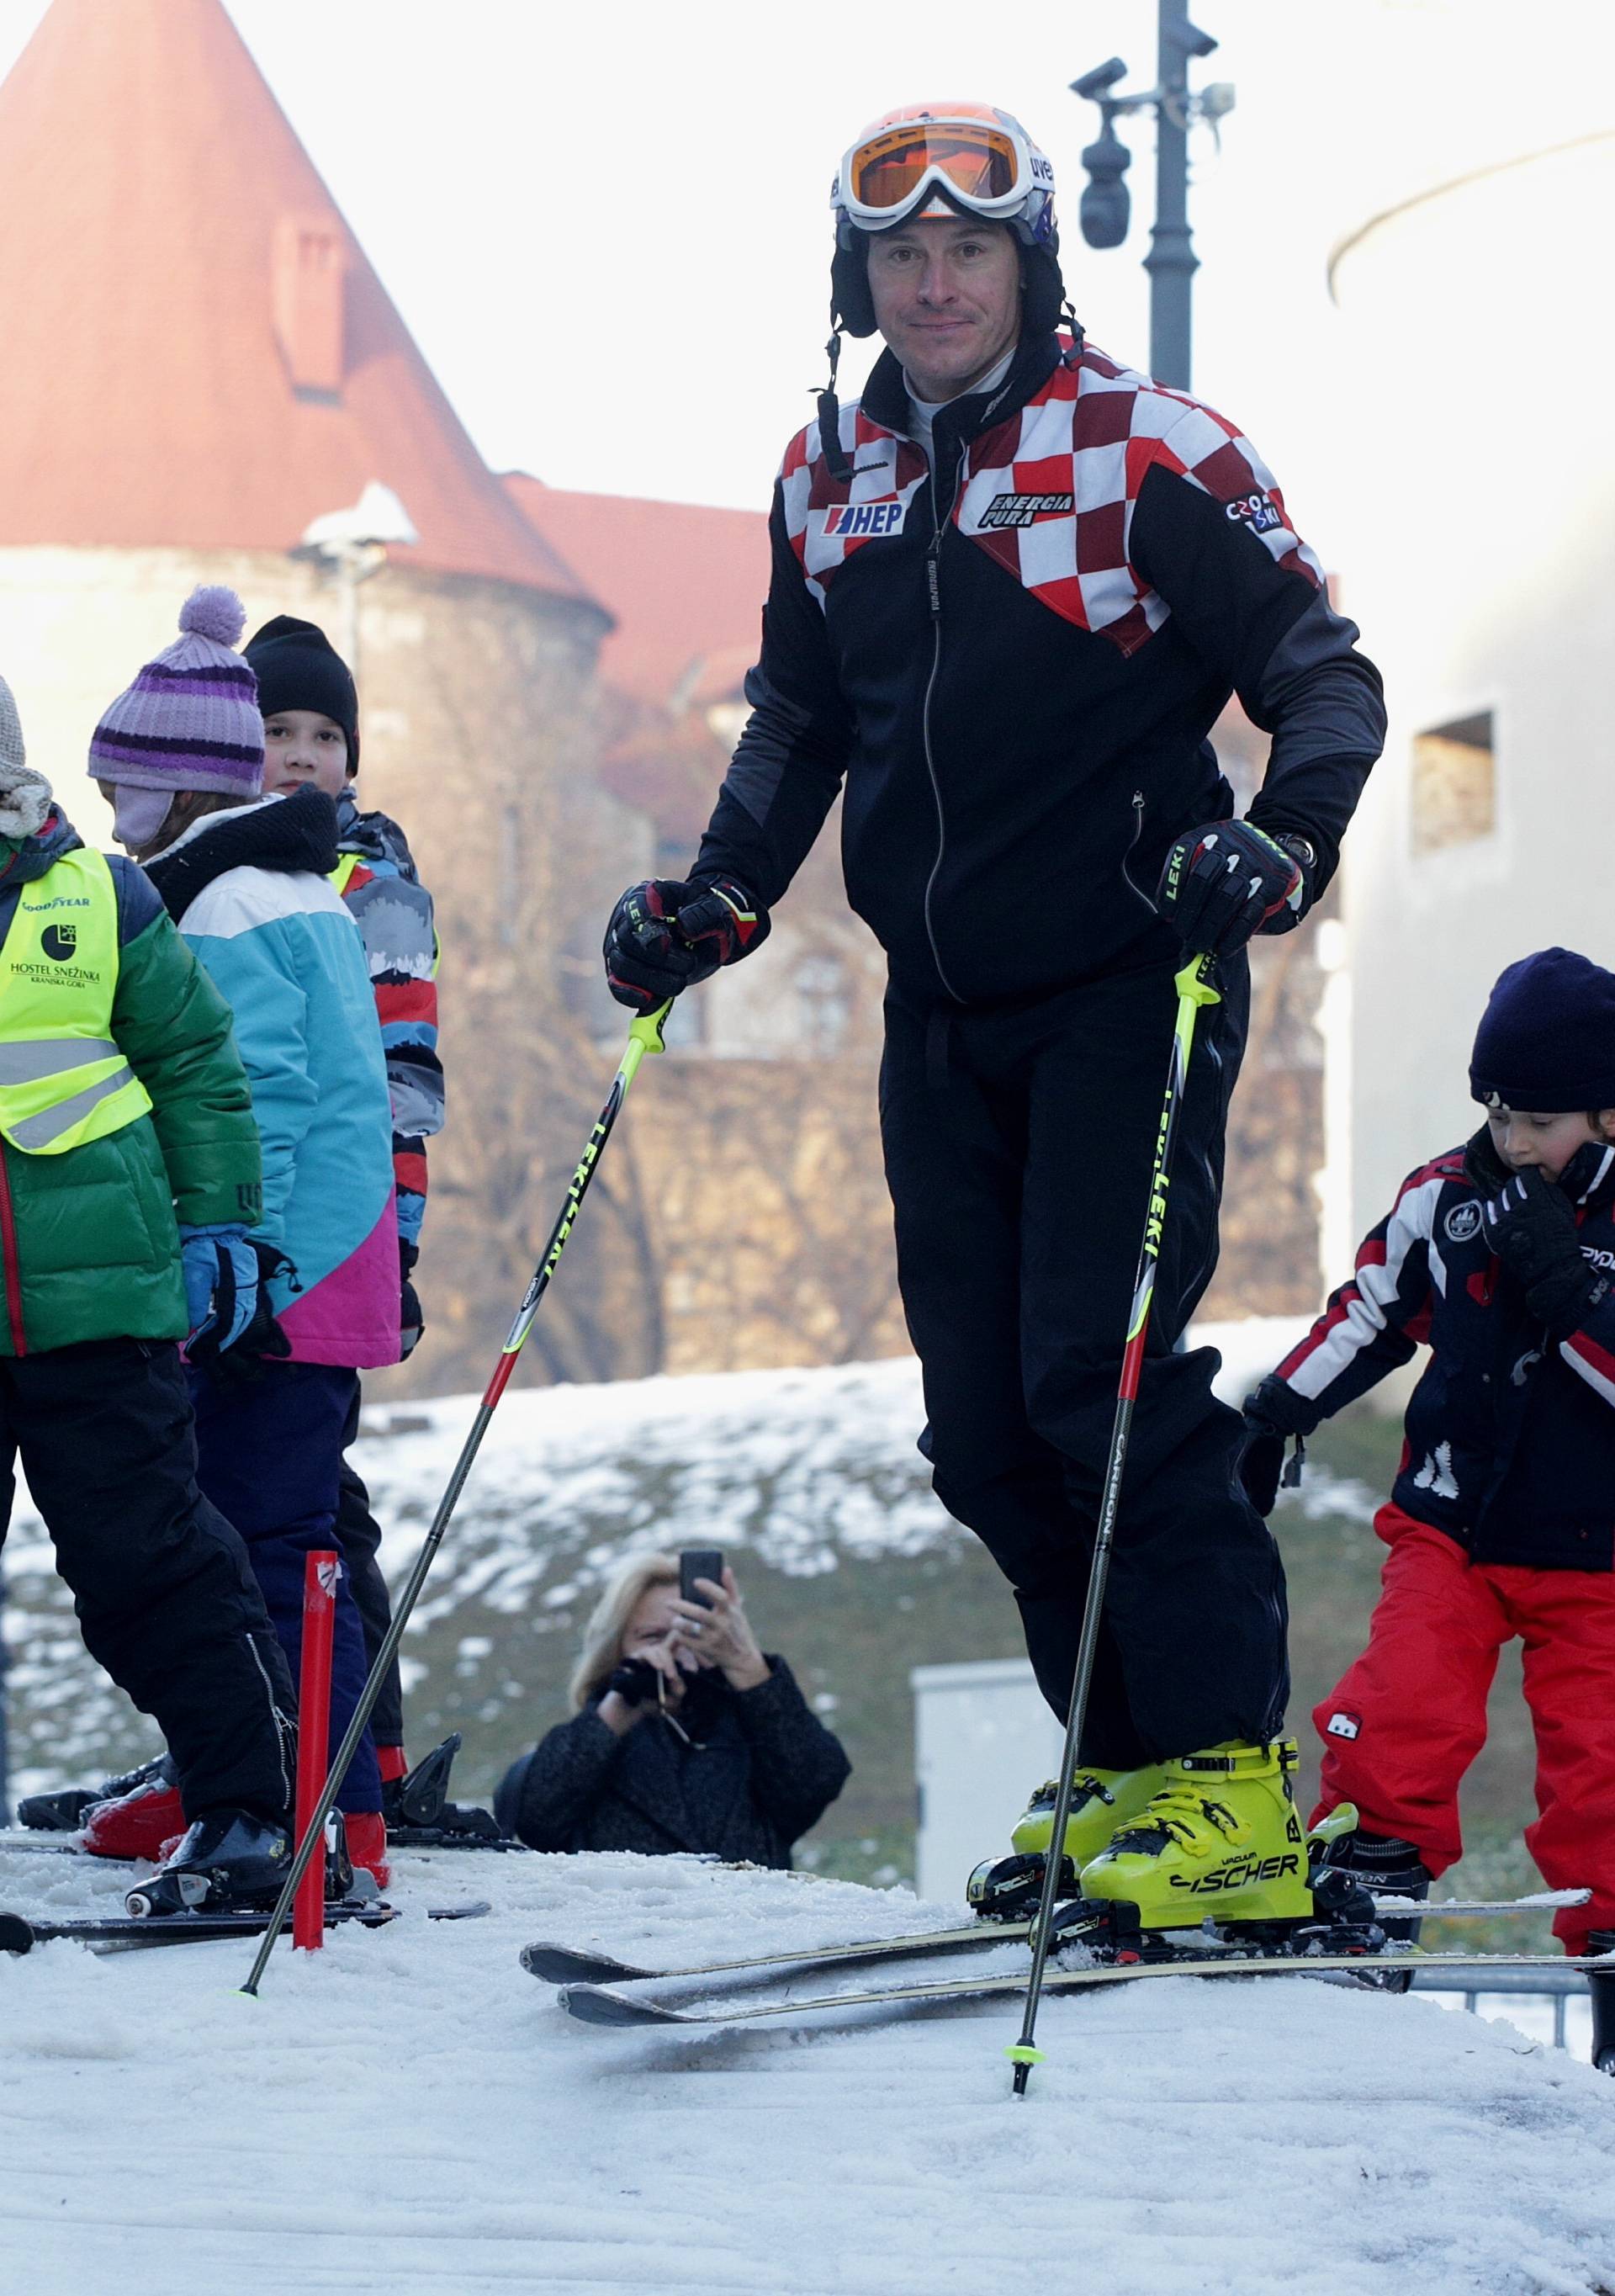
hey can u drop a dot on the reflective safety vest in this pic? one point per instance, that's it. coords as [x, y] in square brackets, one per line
[64, 1082]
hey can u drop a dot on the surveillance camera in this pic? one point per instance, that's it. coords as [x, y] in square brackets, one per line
[1105, 207]
[1093, 85]
[1191, 40]
[1216, 102]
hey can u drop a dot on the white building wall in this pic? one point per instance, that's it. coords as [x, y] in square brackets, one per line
[984, 1741]
[1479, 562]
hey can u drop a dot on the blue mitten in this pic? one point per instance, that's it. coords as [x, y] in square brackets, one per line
[220, 1269]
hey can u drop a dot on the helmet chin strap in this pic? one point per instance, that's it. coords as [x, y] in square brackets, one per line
[830, 411]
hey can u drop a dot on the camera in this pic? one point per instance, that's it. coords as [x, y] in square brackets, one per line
[1093, 85]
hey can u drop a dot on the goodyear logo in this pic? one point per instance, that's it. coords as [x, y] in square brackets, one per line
[858, 522]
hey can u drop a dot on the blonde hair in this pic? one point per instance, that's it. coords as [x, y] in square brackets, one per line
[609, 1623]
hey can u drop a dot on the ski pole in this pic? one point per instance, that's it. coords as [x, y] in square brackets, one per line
[1194, 988]
[645, 1036]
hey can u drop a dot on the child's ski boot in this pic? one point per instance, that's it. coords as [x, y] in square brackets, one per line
[135, 1824]
[65, 1811]
[1600, 1985]
[226, 1862]
[1008, 1889]
[1343, 1851]
[1219, 1838]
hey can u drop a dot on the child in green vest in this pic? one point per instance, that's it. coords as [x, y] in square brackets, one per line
[129, 1176]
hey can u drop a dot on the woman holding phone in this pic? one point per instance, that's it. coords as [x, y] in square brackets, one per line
[687, 1736]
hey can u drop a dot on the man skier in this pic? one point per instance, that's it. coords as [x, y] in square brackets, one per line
[1012, 591]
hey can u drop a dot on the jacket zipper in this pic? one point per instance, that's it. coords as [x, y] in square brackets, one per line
[933, 590]
[13, 1268]
[1133, 886]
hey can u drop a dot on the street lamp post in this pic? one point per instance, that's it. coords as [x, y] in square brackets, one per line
[1171, 262]
[352, 545]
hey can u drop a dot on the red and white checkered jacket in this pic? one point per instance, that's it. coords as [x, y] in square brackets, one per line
[1011, 651]
[1050, 492]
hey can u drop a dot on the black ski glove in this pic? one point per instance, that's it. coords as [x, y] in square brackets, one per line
[1227, 880]
[411, 1323]
[1273, 1413]
[1531, 1227]
[262, 1340]
[669, 934]
[634, 1682]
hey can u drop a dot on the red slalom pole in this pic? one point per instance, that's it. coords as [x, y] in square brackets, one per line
[314, 1738]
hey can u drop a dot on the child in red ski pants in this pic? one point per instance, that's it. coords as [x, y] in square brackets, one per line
[1500, 1256]
[1405, 1722]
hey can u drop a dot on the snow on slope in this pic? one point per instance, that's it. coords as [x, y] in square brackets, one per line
[410, 2111]
[801, 1468]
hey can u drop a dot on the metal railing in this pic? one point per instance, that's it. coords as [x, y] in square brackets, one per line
[1556, 1985]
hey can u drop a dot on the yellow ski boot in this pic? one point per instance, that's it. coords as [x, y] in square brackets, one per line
[1007, 1888]
[1220, 1838]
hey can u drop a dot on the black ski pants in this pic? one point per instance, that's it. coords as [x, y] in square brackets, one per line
[358, 1534]
[165, 1596]
[1019, 1144]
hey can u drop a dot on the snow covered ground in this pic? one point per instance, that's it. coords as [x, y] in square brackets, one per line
[409, 2111]
[805, 1470]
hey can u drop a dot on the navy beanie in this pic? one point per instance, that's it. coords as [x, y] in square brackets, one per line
[298, 667]
[1546, 1040]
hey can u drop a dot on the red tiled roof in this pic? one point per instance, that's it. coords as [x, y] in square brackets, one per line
[685, 582]
[196, 351]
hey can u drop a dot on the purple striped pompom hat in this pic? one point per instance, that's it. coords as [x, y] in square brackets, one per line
[191, 719]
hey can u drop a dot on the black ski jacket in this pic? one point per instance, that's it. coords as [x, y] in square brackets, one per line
[1014, 660]
[1511, 1435]
[762, 1769]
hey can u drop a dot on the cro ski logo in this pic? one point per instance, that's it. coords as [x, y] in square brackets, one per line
[865, 521]
[1462, 1222]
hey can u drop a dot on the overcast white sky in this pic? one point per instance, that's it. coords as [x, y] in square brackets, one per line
[607, 225]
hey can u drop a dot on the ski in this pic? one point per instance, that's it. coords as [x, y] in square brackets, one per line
[562, 1965]
[603, 2005]
[18, 1933]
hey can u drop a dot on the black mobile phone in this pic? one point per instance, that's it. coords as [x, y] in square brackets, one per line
[700, 1562]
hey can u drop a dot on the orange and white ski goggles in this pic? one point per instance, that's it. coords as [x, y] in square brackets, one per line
[981, 161]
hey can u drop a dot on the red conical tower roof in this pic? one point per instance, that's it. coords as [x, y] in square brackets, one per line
[195, 350]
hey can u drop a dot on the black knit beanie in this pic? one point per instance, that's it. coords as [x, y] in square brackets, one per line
[1546, 1040]
[298, 667]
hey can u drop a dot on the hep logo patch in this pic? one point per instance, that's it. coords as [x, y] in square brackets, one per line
[59, 942]
[1024, 510]
[1259, 512]
[1342, 1724]
[858, 522]
[1463, 1222]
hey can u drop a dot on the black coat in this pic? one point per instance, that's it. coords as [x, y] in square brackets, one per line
[762, 1770]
